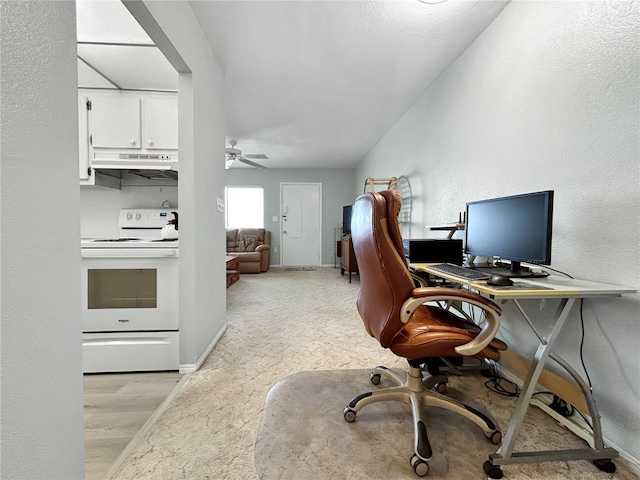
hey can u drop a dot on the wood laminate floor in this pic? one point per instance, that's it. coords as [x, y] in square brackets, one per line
[116, 407]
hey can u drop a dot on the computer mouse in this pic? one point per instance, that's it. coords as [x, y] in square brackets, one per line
[499, 281]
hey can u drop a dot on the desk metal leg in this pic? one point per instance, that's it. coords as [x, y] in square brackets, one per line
[505, 454]
[531, 381]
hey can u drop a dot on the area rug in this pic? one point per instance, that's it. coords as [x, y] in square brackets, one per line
[303, 434]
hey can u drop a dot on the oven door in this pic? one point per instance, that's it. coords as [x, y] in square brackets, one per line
[129, 289]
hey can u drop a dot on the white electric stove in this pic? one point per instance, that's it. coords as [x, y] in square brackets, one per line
[130, 296]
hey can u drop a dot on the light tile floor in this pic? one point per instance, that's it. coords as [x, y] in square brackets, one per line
[116, 407]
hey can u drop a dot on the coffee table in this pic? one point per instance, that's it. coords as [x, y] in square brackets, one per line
[233, 269]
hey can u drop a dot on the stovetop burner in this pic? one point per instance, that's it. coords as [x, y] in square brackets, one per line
[116, 240]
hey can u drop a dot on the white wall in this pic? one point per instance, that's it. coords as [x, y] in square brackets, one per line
[41, 347]
[201, 179]
[336, 192]
[100, 206]
[546, 98]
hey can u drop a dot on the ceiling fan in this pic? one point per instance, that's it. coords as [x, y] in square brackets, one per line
[232, 154]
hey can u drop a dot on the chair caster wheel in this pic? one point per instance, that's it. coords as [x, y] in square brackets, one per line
[349, 415]
[375, 378]
[492, 471]
[440, 387]
[420, 467]
[495, 437]
[605, 464]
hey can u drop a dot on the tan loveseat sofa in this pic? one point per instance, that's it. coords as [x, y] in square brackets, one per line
[253, 246]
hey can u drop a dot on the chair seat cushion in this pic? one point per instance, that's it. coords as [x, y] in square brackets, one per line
[433, 332]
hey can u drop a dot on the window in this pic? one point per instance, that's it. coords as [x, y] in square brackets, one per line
[245, 207]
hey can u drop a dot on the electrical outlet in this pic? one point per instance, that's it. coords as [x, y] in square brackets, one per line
[275, 249]
[274, 218]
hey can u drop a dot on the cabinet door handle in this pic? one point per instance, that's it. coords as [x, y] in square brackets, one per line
[149, 142]
[132, 141]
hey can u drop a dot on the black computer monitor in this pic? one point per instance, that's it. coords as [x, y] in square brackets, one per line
[516, 228]
[346, 219]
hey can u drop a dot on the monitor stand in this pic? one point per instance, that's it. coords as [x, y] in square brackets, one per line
[516, 271]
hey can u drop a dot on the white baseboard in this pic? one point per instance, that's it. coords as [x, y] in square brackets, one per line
[322, 266]
[192, 367]
[630, 462]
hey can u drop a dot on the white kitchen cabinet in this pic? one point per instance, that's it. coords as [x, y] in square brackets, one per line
[125, 129]
[160, 123]
[127, 121]
[83, 139]
[115, 121]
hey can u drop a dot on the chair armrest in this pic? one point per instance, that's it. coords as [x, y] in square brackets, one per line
[262, 247]
[432, 294]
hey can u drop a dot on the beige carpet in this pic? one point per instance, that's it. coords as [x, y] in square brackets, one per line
[279, 323]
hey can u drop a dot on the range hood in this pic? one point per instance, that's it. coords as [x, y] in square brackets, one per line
[135, 161]
[113, 170]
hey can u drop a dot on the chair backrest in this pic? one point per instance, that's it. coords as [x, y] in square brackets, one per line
[385, 281]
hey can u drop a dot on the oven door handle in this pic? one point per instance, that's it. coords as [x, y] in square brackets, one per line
[128, 252]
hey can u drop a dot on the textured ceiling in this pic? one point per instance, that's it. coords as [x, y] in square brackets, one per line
[115, 52]
[318, 83]
[308, 83]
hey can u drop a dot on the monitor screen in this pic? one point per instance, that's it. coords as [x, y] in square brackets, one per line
[346, 219]
[516, 228]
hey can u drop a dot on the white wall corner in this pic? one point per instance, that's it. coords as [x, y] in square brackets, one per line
[192, 367]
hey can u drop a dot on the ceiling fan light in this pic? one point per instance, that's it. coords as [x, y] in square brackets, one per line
[228, 162]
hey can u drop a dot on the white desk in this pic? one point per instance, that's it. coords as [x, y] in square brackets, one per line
[567, 291]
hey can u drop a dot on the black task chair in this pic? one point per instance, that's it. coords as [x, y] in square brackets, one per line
[394, 312]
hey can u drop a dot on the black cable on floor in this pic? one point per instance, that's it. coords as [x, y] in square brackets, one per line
[496, 384]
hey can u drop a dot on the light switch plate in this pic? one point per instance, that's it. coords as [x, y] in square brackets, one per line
[220, 206]
[274, 218]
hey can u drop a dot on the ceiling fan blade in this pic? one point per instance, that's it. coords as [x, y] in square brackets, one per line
[257, 156]
[249, 162]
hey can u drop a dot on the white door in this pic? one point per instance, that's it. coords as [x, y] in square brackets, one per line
[301, 212]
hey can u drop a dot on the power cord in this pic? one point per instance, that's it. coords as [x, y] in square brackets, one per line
[507, 388]
[500, 385]
[582, 345]
[562, 407]
[557, 271]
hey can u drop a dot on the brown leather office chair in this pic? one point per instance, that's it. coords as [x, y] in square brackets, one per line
[394, 312]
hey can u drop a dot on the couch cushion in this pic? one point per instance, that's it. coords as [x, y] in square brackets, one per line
[246, 257]
[253, 231]
[247, 243]
[232, 240]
